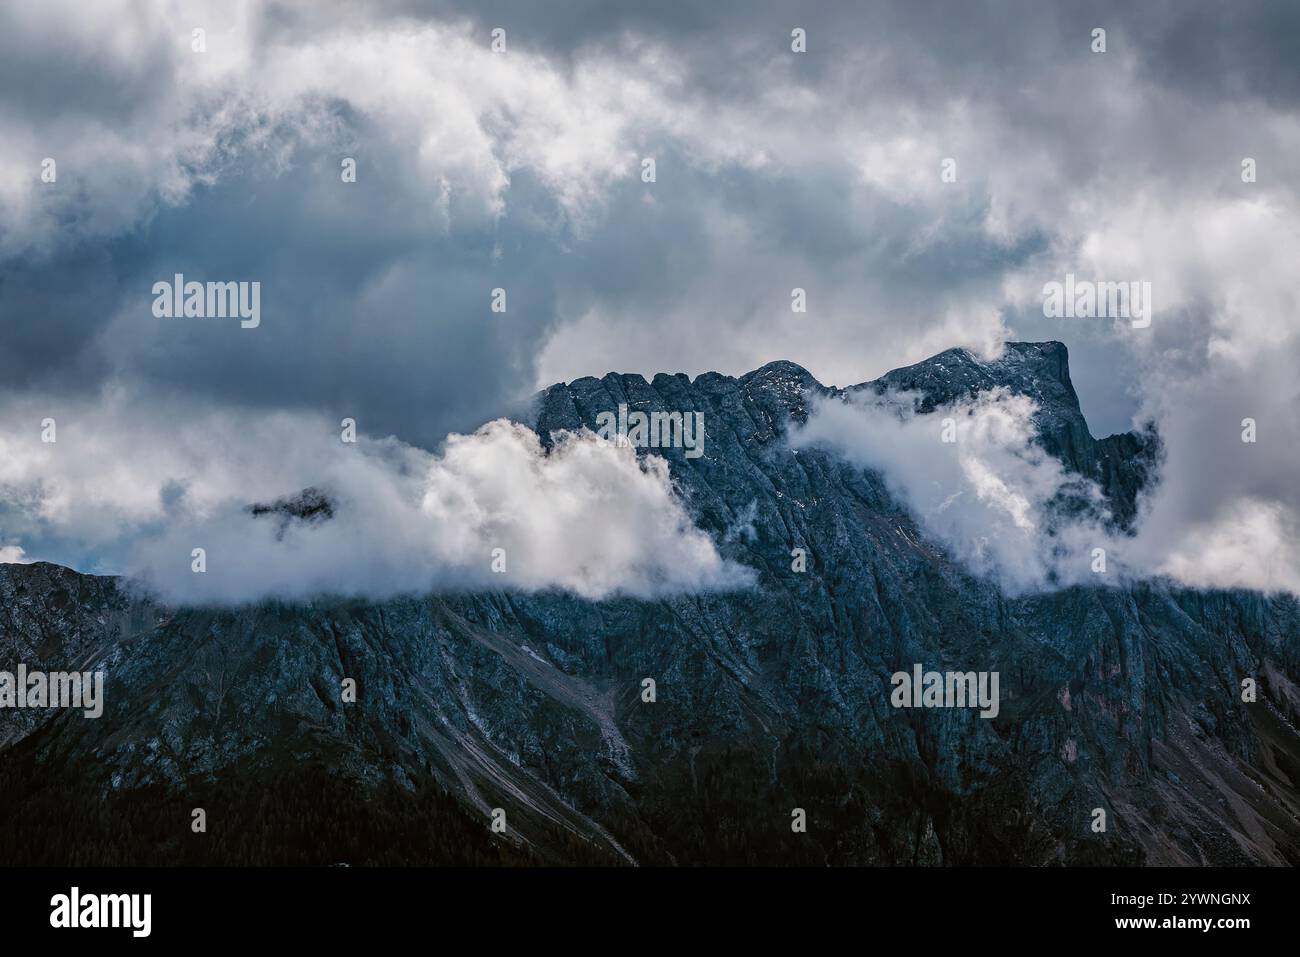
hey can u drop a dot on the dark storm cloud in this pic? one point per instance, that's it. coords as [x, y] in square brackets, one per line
[357, 295]
[53, 314]
[1217, 50]
[361, 315]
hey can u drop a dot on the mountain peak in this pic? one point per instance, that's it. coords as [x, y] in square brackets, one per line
[1040, 370]
[1120, 464]
[777, 393]
[781, 369]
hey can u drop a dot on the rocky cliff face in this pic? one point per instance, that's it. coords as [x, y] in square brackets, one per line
[775, 698]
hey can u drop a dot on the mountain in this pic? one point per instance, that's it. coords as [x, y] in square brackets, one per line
[1123, 699]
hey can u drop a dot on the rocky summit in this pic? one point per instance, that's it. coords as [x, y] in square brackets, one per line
[1121, 735]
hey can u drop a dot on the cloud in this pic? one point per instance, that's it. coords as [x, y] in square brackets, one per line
[1227, 511]
[992, 496]
[1223, 347]
[585, 516]
[464, 117]
[985, 489]
[11, 555]
[1248, 544]
[476, 170]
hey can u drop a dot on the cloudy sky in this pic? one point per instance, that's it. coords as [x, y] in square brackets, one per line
[522, 169]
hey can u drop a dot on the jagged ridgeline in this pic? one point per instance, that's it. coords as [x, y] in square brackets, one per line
[1126, 700]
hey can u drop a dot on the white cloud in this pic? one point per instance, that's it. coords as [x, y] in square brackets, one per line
[585, 516]
[987, 496]
[1250, 544]
[1223, 346]
[11, 555]
[467, 117]
[1224, 514]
